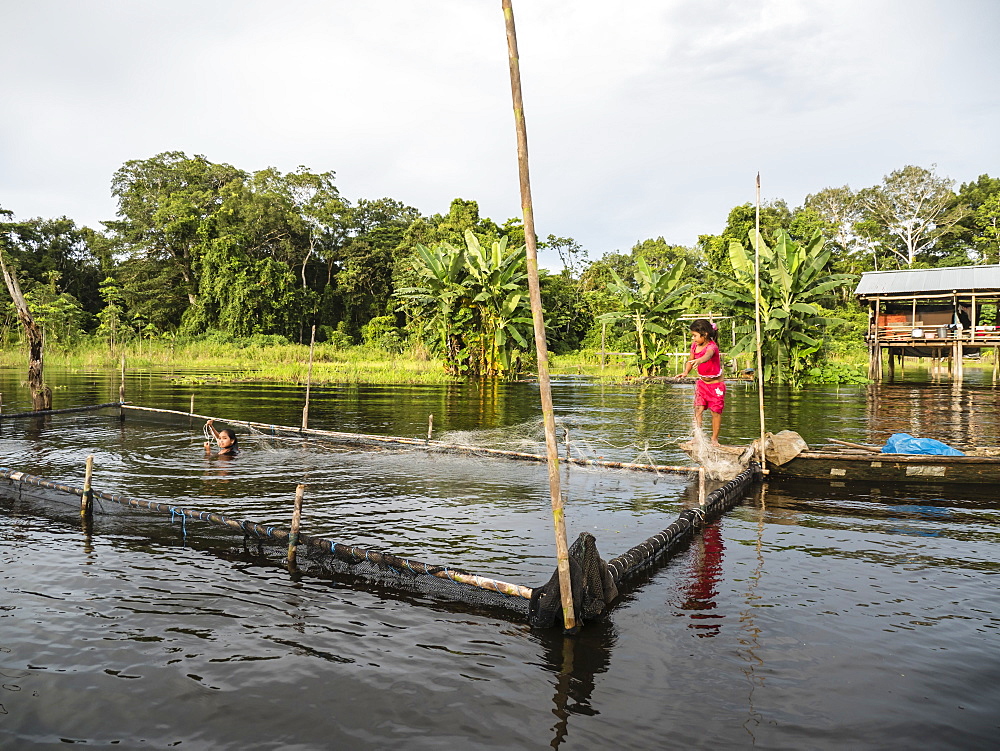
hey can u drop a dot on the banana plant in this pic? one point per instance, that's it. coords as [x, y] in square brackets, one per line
[651, 305]
[499, 278]
[793, 282]
[477, 300]
[445, 290]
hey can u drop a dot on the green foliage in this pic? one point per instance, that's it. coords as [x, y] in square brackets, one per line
[475, 303]
[650, 307]
[907, 216]
[381, 332]
[793, 283]
[837, 372]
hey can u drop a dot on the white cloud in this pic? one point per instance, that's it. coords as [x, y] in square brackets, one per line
[645, 119]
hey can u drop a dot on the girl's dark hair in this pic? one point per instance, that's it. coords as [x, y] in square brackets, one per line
[232, 434]
[706, 328]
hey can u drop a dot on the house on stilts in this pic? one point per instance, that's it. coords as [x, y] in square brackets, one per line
[944, 314]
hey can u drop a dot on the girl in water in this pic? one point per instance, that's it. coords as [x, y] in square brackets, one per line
[225, 438]
[710, 389]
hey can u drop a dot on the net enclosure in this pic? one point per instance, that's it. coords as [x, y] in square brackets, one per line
[596, 582]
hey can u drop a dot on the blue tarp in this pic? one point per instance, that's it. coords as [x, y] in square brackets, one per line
[904, 443]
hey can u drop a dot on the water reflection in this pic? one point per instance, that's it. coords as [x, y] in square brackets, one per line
[576, 661]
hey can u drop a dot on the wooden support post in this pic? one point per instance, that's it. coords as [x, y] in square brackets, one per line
[430, 426]
[892, 365]
[309, 377]
[701, 486]
[121, 387]
[87, 499]
[293, 534]
[566, 436]
[538, 320]
[191, 412]
[996, 362]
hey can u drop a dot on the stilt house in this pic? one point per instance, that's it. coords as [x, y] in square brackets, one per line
[943, 314]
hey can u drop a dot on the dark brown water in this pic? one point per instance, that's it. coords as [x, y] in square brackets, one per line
[812, 616]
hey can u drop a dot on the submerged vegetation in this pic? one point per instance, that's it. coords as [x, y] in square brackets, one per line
[211, 267]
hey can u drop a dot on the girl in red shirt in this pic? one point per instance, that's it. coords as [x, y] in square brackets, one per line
[710, 389]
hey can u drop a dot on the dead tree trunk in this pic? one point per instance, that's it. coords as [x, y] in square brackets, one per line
[41, 395]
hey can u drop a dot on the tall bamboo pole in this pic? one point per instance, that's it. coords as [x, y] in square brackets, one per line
[756, 303]
[537, 315]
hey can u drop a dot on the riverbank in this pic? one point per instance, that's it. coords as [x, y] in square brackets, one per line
[235, 361]
[260, 359]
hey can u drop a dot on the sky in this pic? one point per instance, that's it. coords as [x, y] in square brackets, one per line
[646, 119]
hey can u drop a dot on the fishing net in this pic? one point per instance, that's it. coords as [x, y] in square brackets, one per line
[720, 462]
[596, 582]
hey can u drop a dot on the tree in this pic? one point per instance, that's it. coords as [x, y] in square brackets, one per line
[909, 213]
[793, 283]
[166, 204]
[774, 216]
[41, 395]
[978, 233]
[650, 305]
[476, 303]
[571, 254]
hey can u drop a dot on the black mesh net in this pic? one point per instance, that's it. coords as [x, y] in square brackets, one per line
[595, 583]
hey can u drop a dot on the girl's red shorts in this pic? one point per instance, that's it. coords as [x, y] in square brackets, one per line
[710, 395]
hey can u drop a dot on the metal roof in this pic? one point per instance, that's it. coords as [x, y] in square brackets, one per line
[923, 281]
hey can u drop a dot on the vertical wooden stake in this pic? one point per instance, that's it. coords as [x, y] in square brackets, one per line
[192, 405]
[293, 535]
[430, 426]
[121, 388]
[996, 362]
[760, 355]
[538, 319]
[567, 442]
[701, 486]
[87, 500]
[309, 378]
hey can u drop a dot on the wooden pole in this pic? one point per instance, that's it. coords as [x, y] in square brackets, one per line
[877, 366]
[996, 362]
[538, 318]
[293, 535]
[192, 405]
[701, 486]
[760, 356]
[430, 426]
[309, 377]
[87, 499]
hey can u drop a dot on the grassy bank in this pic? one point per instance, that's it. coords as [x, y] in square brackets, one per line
[281, 363]
[205, 360]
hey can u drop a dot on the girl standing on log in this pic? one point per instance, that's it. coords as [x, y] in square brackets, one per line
[710, 388]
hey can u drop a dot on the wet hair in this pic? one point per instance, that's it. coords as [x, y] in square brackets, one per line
[231, 434]
[706, 328]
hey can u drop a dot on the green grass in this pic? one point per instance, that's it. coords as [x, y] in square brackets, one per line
[201, 361]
